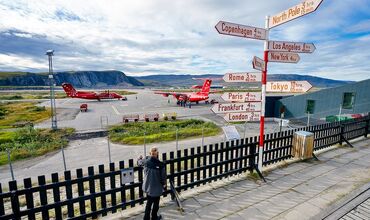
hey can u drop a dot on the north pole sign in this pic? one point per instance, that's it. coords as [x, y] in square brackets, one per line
[236, 107]
[283, 57]
[288, 86]
[241, 96]
[294, 47]
[243, 116]
[242, 77]
[294, 12]
[239, 30]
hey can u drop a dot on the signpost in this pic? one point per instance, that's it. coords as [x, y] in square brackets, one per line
[236, 107]
[294, 12]
[239, 30]
[242, 116]
[306, 7]
[242, 77]
[241, 96]
[258, 64]
[294, 47]
[288, 86]
[283, 57]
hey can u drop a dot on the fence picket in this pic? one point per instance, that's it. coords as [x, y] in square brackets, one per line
[29, 198]
[14, 199]
[80, 186]
[56, 195]
[69, 195]
[43, 197]
[103, 197]
[2, 208]
[90, 171]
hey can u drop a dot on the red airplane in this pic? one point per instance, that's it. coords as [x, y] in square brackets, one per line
[73, 93]
[193, 96]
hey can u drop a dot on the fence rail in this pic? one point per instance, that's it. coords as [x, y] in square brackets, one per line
[99, 192]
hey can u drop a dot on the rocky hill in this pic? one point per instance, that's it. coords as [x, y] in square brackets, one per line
[187, 80]
[79, 79]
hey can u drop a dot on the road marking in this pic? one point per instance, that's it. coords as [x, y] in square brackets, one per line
[115, 110]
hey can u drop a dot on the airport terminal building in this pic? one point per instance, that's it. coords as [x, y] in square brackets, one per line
[344, 100]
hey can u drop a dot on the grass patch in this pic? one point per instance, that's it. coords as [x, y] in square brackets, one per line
[17, 114]
[133, 133]
[29, 142]
[31, 95]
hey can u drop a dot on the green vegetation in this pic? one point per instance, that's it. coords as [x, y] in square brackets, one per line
[29, 142]
[18, 114]
[133, 133]
[30, 95]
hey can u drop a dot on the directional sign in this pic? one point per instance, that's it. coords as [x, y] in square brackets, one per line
[296, 47]
[294, 12]
[258, 64]
[239, 30]
[236, 107]
[243, 116]
[241, 96]
[242, 77]
[283, 57]
[288, 86]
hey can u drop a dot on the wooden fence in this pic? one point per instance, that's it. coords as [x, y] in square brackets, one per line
[99, 192]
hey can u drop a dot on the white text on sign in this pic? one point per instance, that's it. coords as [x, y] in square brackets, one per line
[242, 96]
[236, 107]
[296, 47]
[244, 116]
[242, 77]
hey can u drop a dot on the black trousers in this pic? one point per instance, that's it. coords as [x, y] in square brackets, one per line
[152, 201]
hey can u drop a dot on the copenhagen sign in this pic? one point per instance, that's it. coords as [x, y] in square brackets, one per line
[241, 96]
[236, 107]
[294, 12]
[295, 47]
[242, 77]
[243, 116]
[239, 30]
[288, 86]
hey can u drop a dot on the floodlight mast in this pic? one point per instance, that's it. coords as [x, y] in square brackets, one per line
[50, 54]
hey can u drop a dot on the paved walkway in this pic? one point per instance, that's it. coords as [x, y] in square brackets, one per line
[298, 191]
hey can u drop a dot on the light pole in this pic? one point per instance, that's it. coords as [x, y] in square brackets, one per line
[50, 54]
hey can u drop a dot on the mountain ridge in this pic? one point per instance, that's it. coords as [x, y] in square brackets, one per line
[79, 79]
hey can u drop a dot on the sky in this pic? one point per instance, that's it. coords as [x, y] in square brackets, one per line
[146, 37]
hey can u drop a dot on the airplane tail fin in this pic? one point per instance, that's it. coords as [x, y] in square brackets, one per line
[69, 90]
[206, 86]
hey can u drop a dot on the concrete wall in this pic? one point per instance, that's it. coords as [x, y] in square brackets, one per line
[327, 101]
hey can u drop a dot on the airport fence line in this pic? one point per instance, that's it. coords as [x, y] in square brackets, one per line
[99, 192]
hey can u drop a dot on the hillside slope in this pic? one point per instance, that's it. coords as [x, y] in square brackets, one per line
[81, 79]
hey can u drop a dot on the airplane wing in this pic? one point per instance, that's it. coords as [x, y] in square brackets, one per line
[174, 94]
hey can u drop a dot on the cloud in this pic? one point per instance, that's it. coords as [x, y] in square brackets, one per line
[162, 36]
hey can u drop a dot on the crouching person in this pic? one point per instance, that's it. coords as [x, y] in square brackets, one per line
[154, 183]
